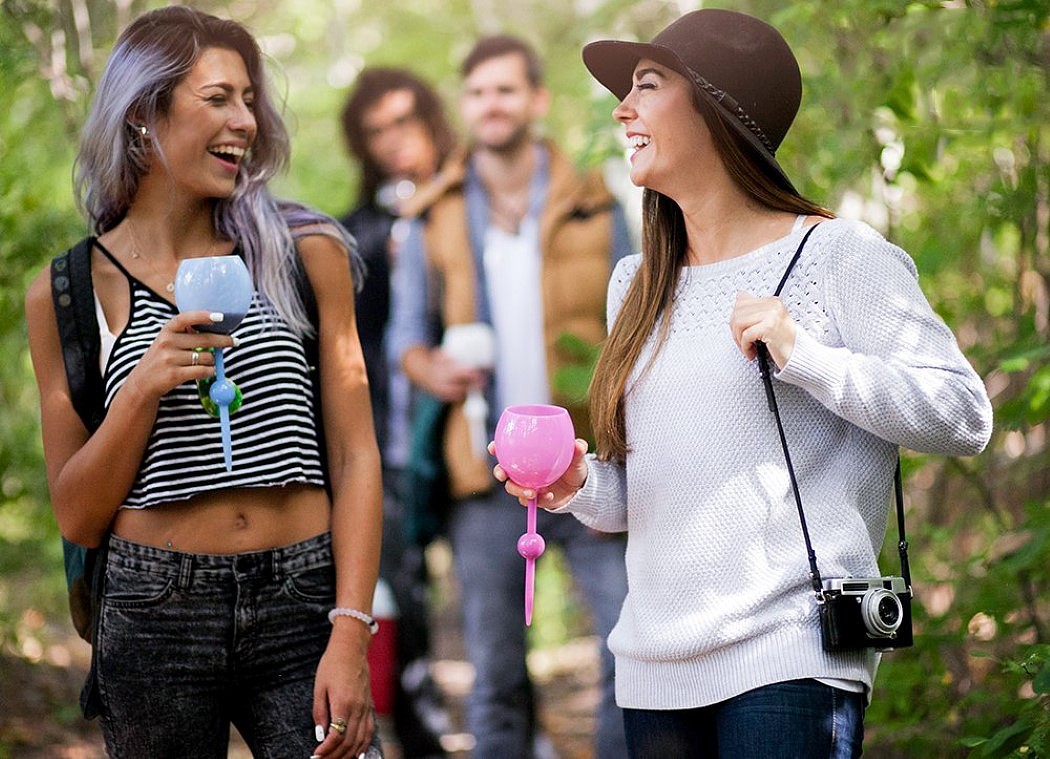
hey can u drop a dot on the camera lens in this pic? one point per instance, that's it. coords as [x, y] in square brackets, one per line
[882, 612]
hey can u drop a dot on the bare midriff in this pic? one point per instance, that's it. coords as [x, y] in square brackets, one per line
[230, 521]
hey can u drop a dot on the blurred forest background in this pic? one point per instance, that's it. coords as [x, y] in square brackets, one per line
[930, 120]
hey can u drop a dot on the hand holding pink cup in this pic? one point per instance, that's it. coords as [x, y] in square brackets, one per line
[534, 446]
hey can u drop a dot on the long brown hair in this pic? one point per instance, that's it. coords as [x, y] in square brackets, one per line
[371, 86]
[649, 298]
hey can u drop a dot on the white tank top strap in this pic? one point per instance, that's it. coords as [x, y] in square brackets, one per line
[106, 336]
[799, 221]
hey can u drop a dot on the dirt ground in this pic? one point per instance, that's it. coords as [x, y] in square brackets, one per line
[40, 684]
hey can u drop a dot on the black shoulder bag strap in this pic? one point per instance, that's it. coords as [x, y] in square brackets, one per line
[763, 365]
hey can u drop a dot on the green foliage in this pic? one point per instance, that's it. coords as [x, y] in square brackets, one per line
[37, 220]
[928, 119]
[1027, 731]
[560, 615]
[573, 379]
[970, 608]
[1032, 403]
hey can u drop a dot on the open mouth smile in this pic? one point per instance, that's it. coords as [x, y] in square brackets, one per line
[231, 155]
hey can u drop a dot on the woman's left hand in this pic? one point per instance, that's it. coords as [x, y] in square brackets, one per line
[343, 695]
[342, 702]
[558, 493]
[766, 320]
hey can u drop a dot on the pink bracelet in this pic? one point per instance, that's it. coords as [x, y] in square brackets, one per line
[368, 619]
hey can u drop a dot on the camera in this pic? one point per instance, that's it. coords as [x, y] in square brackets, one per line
[865, 612]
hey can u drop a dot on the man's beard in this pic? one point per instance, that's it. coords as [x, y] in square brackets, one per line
[521, 135]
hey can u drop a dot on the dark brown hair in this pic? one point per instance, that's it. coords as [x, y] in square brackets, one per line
[498, 46]
[371, 86]
[649, 298]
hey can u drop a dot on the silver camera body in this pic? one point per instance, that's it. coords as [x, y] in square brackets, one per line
[865, 612]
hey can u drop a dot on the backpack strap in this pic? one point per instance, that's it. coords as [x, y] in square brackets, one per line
[74, 302]
[73, 298]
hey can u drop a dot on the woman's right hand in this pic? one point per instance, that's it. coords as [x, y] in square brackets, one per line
[169, 361]
[560, 492]
[89, 474]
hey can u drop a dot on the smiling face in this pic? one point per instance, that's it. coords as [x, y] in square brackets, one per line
[208, 127]
[671, 144]
[499, 104]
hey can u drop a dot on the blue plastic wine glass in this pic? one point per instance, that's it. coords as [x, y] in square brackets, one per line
[217, 284]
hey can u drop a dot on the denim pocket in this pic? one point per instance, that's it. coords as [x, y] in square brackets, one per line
[312, 585]
[133, 588]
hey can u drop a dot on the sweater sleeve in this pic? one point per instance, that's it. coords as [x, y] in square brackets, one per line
[601, 503]
[898, 371]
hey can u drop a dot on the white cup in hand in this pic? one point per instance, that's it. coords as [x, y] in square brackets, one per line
[473, 345]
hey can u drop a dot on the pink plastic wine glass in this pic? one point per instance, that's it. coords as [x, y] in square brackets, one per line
[534, 445]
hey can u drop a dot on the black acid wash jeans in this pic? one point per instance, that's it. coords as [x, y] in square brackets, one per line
[192, 643]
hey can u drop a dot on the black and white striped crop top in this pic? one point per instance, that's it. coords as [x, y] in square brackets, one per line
[274, 433]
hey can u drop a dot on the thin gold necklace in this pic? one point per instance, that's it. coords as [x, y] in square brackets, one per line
[169, 283]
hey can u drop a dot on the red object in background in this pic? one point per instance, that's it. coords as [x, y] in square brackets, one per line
[382, 653]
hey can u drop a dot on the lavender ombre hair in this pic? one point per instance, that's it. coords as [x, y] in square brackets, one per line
[151, 57]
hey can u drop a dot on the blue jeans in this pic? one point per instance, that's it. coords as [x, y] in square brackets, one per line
[190, 644]
[800, 719]
[484, 534]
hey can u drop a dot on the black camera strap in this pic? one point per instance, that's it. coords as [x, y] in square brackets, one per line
[763, 366]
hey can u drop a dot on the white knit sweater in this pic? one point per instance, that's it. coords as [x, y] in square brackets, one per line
[719, 598]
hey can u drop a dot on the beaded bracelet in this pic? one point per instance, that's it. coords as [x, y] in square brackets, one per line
[368, 619]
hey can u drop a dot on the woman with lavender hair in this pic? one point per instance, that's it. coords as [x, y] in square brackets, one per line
[236, 597]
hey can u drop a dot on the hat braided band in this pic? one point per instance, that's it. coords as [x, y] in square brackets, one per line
[733, 107]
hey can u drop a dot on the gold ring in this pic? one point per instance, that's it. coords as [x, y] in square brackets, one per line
[338, 724]
[196, 358]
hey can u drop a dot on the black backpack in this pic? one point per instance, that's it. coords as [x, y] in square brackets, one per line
[78, 330]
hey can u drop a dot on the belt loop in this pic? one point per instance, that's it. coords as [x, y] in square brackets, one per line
[276, 565]
[185, 571]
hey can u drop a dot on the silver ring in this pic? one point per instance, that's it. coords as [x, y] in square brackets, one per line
[196, 358]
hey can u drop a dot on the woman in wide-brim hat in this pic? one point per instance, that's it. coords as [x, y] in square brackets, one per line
[719, 646]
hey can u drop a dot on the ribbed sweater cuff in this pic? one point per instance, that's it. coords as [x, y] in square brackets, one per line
[600, 502]
[813, 366]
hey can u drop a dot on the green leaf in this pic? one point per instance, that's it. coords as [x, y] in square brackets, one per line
[1041, 681]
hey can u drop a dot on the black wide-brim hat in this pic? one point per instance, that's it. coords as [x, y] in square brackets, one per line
[740, 64]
